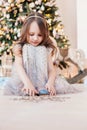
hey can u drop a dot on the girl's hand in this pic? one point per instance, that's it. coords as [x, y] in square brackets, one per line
[30, 90]
[51, 89]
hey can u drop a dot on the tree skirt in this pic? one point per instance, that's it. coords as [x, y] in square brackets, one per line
[3, 80]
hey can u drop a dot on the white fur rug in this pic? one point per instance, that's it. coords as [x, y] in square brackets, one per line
[64, 112]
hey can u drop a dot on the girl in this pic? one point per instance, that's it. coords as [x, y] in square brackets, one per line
[34, 70]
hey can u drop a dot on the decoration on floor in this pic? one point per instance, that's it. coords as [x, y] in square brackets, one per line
[6, 64]
[3, 81]
[78, 78]
[37, 99]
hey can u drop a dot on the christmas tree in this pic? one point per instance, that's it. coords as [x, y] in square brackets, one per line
[13, 14]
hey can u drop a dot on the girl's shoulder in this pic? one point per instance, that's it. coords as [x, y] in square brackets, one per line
[17, 46]
[17, 49]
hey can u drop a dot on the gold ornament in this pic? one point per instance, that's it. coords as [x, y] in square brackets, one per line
[10, 1]
[44, 0]
[9, 9]
[48, 15]
[12, 5]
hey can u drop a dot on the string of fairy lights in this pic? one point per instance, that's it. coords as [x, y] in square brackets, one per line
[13, 13]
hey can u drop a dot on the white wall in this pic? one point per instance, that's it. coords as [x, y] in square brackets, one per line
[67, 10]
[74, 17]
[82, 25]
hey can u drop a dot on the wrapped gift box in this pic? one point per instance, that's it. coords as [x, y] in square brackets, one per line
[6, 65]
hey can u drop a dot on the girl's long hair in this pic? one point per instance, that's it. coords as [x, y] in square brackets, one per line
[43, 26]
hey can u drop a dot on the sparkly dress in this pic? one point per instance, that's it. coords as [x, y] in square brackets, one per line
[35, 62]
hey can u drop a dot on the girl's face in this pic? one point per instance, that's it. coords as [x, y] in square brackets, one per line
[35, 36]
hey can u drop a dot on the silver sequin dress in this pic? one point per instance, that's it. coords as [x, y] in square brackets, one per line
[35, 62]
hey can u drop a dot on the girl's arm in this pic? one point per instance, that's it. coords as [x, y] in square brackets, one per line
[51, 76]
[28, 86]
